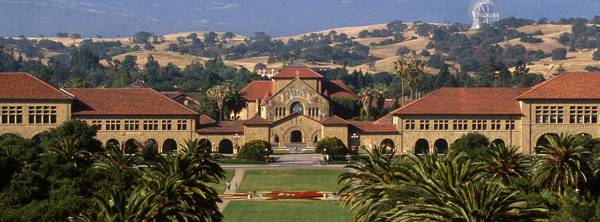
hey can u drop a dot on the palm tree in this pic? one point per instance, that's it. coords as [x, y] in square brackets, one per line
[68, 148]
[235, 102]
[415, 70]
[562, 163]
[115, 160]
[506, 163]
[219, 94]
[366, 98]
[400, 69]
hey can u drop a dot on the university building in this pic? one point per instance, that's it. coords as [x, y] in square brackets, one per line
[297, 107]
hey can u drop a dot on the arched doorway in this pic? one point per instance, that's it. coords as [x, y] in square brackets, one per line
[441, 146]
[498, 142]
[276, 139]
[316, 139]
[205, 145]
[297, 107]
[132, 146]
[169, 146]
[112, 144]
[296, 136]
[388, 143]
[422, 147]
[543, 141]
[151, 143]
[226, 147]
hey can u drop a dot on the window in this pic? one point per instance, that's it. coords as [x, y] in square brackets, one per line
[181, 125]
[113, 125]
[409, 124]
[549, 114]
[460, 124]
[479, 124]
[12, 115]
[280, 111]
[424, 125]
[440, 125]
[97, 124]
[583, 114]
[150, 124]
[496, 125]
[313, 111]
[42, 114]
[131, 125]
[510, 125]
[166, 124]
[297, 107]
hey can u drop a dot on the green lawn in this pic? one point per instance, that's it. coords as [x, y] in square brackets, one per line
[220, 187]
[290, 180]
[288, 211]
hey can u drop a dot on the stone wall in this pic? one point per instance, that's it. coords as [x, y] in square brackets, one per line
[29, 130]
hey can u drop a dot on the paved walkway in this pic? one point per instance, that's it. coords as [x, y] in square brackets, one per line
[236, 180]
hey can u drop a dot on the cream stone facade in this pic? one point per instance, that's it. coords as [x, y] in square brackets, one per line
[295, 109]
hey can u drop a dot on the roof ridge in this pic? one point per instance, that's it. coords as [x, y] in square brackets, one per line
[416, 100]
[171, 100]
[45, 83]
[539, 85]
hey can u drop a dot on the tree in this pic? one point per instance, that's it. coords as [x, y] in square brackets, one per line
[474, 145]
[506, 163]
[597, 55]
[559, 54]
[255, 150]
[219, 94]
[141, 37]
[235, 102]
[332, 146]
[562, 164]
[366, 97]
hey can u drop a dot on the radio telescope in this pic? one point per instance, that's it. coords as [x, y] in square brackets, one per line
[484, 12]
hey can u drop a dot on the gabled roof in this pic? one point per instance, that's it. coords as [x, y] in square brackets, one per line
[257, 89]
[205, 120]
[126, 102]
[374, 127]
[337, 88]
[256, 121]
[466, 101]
[335, 121]
[222, 127]
[20, 85]
[291, 72]
[574, 85]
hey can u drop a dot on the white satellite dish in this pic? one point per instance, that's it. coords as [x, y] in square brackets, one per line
[484, 12]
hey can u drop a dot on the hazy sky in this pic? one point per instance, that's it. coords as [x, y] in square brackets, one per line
[276, 17]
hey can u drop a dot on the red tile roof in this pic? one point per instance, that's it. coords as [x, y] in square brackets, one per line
[574, 85]
[337, 88]
[223, 127]
[19, 85]
[334, 120]
[373, 127]
[125, 101]
[257, 89]
[256, 121]
[466, 101]
[291, 72]
[205, 120]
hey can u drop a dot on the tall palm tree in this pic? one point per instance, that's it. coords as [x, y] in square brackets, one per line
[415, 70]
[400, 70]
[562, 163]
[506, 163]
[235, 102]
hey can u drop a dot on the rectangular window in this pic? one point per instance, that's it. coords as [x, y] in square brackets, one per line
[460, 124]
[313, 111]
[409, 124]
[424, 125]
[113, 125]
[510, 125]
[479, 124]
[181, 125]
[97, 124]
[280, 111]
[549, 114]
[131, 125]
[496, 125]
[11, 115]
[151, 125]
[583, 114]
[166, 124]
[440, 125]
[42, 114]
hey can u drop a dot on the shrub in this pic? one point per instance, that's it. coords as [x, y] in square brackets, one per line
[472, 144]
[559, 54]
[255, 150]
[597, 55]
[334, 146]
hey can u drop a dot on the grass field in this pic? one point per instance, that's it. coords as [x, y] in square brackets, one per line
[290, 180]
[288, 211]
[220, 187]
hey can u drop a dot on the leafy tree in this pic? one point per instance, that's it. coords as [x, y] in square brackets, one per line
[255, 150]
[332, 146]
[597, 55]
[474, 145]
[559, 54]
[219, 95]
[367, 97]
[141, 37]
[235, 102]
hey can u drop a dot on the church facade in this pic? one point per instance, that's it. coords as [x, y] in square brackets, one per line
[297, 107]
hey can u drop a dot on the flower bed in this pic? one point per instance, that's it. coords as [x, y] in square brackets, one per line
[304, 195]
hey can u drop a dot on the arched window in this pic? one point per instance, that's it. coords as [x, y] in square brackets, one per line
[441, 146]
[296, 136]
[226, 147]
[543, 141]
[297, 108]
[498, 142]
[112, 144]
[388, 143]
[169, 146]
[422, 147]
[132, 146]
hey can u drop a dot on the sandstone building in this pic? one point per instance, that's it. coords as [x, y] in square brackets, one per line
[297, 107]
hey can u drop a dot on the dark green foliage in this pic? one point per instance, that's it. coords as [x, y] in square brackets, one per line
[597, 55]
[559, 54]
[474, 145]
[332, 146]
[255, 150]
